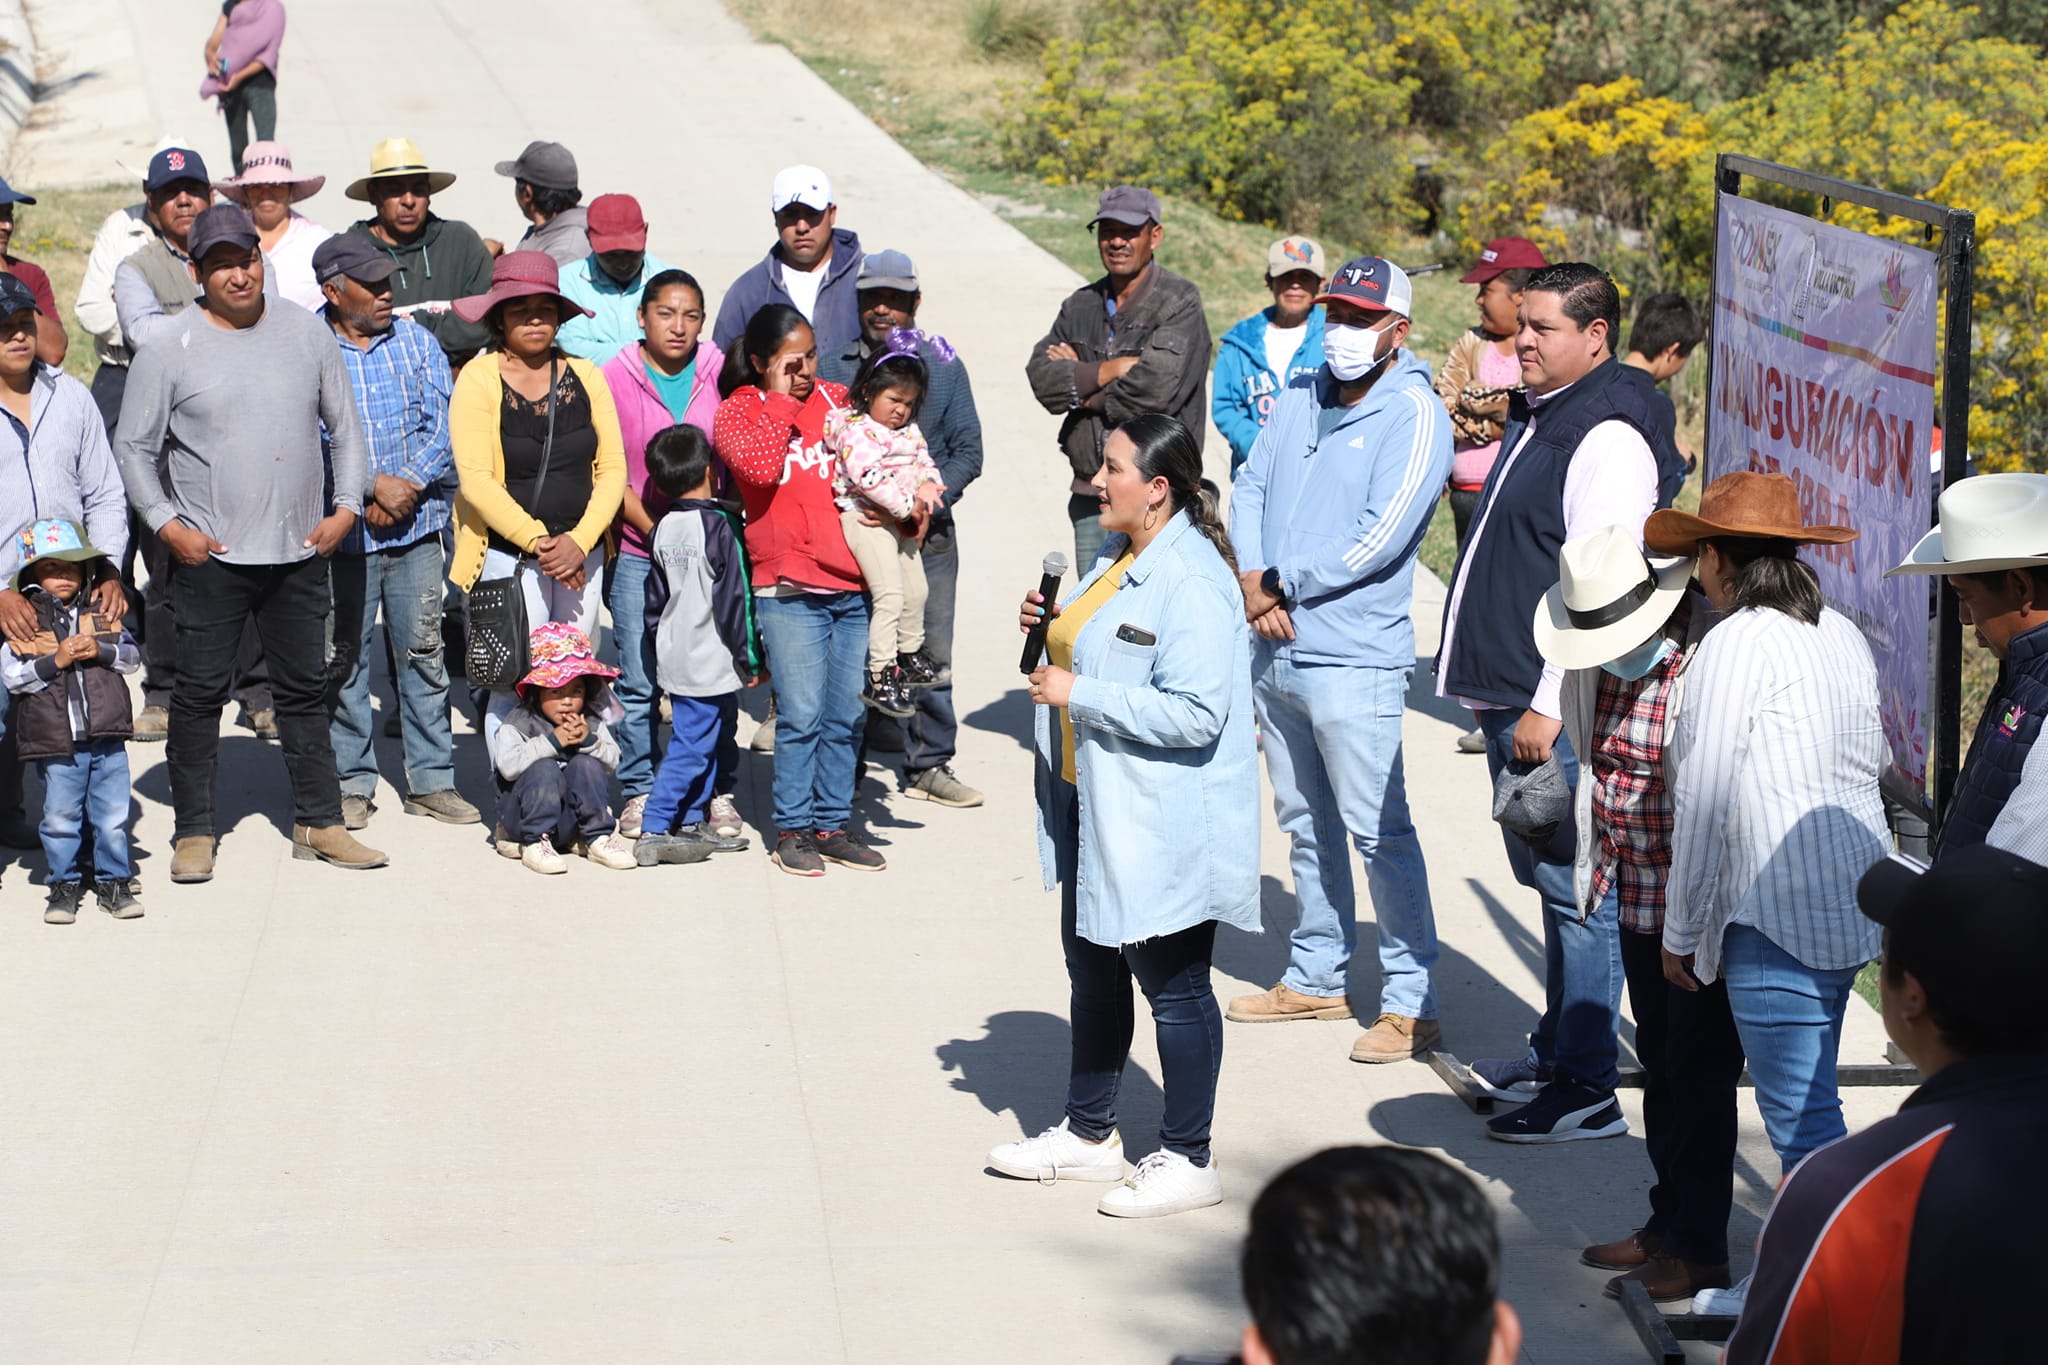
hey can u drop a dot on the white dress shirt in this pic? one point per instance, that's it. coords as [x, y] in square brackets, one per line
[124, 233]
[2022, 825]
[1775, 760]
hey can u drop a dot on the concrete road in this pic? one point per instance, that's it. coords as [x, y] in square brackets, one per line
[452, 1111]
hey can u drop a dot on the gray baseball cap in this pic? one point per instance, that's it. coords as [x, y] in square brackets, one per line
[222, 223]
[1127, 204]
[887, 270]
[546, 164]
[350, 254]
[1535, 801]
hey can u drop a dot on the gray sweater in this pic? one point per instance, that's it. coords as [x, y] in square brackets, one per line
[237, 415]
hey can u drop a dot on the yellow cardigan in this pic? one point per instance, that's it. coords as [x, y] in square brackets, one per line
[481, 503]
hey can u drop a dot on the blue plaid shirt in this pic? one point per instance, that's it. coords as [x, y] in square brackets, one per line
[402, 384]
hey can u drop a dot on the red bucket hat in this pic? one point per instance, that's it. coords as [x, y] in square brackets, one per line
[518, 275]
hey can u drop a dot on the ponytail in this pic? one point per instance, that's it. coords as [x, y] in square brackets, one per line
[1766, 573]
[1204, 509]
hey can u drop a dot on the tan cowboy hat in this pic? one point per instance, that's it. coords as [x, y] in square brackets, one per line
[1742, 504]
[398, 156]
[1988, 522]
[268, 163]
[1609, 598]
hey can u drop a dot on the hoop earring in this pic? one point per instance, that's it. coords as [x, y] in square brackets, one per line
[1151, 517]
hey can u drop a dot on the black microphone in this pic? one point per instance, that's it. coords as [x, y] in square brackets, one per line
[1055, 568]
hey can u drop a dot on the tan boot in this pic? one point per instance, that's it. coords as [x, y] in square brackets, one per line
[1396, 1038]
[333, 844]
[1282, 1003]
[192, 859]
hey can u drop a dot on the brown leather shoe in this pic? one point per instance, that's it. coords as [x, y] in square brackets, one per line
[1283, 1003]
[333, 844]
[1668, 1278]
[192, 859]
[1628, 1253]
[1396, 1038]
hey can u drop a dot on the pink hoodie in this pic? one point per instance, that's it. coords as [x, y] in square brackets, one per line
[642, 414]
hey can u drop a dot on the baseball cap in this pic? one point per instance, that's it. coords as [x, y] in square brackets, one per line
[15, 295]
[11, 195]
[1371, 282]
[806, 185]
[1501, 254]
[1535, 801]
[546, 164]
[346, 253]
[173, 164]
[887, 270]
[1972, 929]
[222, 223]
[1127, 204]
[1295, 253]
[615, 223]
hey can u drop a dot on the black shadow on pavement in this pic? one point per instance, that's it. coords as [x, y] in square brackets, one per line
[1422, 697]
[1009, 714]
[249, 779]
[1019, 1066]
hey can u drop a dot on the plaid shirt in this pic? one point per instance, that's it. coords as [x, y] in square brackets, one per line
[1631, 803]
[402, 383]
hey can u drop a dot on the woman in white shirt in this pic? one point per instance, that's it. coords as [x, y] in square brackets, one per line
[1775, 758]
[268, 187]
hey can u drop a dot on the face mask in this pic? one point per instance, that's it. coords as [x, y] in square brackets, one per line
[1353, 352]
[1639, 661]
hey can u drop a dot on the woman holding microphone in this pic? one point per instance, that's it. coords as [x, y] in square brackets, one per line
[1148, 815]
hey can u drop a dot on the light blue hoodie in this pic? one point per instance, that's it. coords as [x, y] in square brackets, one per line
[1243, 389]
[1342, 516]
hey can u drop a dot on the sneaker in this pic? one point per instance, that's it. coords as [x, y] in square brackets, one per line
[1472, 742]
[922, 670]
[885, 693]
[629, 816]
[1284, 1002]
[263, 722]
[1163, 1183]
[941, 785]
[63, 904]
[118, 897]
[763, 741]
[1560, 1112]
[1396, 1038]
[796, 852]
[540, 856]
[152, 725]
[678, 848]
[446, 805]
[504, 843]
[724, 817]
[1057, 1154]
[1723, 1302]
[1514, 1079]
[720, 843]
[837, 846]
[356, 812]
[612, 850]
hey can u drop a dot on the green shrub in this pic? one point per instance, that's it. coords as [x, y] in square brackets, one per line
[1010, 28]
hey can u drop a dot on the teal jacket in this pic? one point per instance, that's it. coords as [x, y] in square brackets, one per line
[1243, 390]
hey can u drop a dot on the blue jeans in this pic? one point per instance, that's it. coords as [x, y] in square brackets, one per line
[406, 583]
[1581, 1024]
[89, 786]
[1333, 749]
[817, 646]
[626, 594]
[684, 786]
[1174, 974]
[1789, 1016]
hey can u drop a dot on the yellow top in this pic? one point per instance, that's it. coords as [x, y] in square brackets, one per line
[1065, 629]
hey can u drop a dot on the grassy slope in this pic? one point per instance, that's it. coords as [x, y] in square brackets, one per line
[56, 233]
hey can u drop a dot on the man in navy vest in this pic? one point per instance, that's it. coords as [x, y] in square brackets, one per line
[1575, 458]
[1992, 544]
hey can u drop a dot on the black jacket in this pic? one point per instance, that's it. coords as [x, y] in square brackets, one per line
[87, 702]
[2010, 726]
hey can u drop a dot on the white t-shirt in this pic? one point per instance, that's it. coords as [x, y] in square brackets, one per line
[803, 286]
[1281, 344]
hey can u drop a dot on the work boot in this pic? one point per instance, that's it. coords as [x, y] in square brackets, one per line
[1668, 1278]
[153, 725]
[1284, 1002]
[1396, 1038]
[192, 859]
[446, 805]
[333, 844]
[263, 721]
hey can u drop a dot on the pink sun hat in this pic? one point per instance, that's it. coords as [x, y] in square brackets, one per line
[269, 163]
[518, 275]
[558, 654]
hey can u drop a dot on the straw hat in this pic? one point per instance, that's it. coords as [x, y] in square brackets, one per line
[515, 275]
[269, 163]
[1988, 522]
[395, 157]
[1610, 598]
[1742, 504]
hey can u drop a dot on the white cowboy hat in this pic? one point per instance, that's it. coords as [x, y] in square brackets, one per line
[1609, 598]
[1988, 522]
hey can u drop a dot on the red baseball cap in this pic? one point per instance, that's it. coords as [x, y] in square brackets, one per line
[1504, 253]
[615, 223]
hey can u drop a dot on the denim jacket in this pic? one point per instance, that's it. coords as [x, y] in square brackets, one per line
[1168, 771]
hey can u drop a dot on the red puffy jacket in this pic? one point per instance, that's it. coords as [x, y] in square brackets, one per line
[775, 448]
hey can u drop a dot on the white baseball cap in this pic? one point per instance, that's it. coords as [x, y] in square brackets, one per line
[806, 185]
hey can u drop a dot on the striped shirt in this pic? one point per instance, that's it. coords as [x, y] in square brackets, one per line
[1776, 812]
[402, 383]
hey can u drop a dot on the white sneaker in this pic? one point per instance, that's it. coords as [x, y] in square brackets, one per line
[724, 817]
[1163, 1183]
[629, 817]
[541, 857]
[1060, 1154]
[614, 850]
[1723, 1302]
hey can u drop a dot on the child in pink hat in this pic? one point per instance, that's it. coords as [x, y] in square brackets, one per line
[555, 753]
